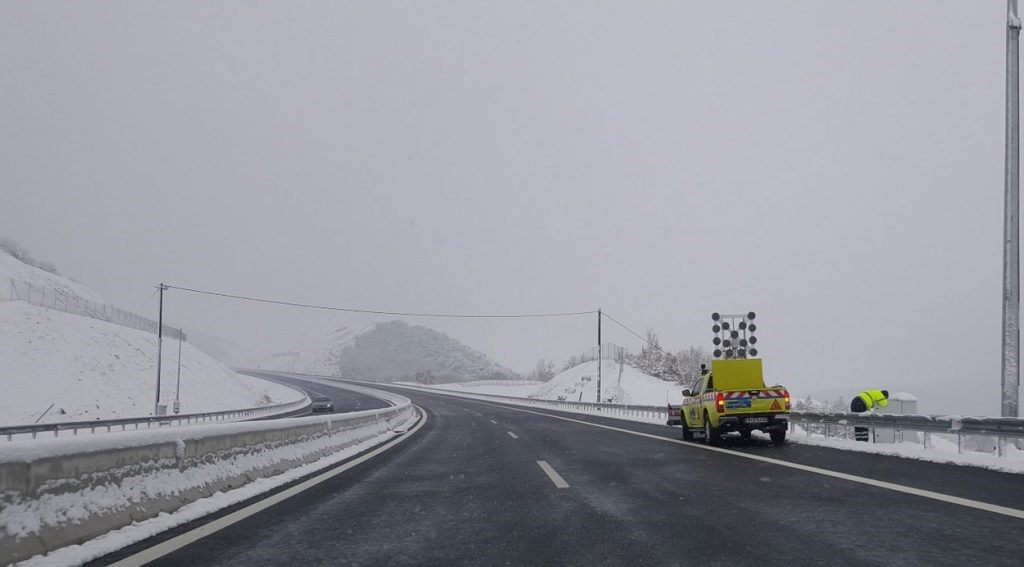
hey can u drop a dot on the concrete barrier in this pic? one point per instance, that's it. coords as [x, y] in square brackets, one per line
[60, 492]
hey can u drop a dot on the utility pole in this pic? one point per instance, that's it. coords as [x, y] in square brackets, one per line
[159, 345]
[1011, 220]
[177, 391]
[599, 359]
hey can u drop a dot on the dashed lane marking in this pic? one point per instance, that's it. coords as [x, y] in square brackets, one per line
[965, 502]
[513, 435]
[553, 475]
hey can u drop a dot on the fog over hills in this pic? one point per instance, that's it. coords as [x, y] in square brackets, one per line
[387, 352]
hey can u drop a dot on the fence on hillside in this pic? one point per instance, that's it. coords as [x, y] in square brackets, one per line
[609, 351]
[62, 300]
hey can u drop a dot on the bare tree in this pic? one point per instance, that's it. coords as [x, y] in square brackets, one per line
[543, 372]
[688, 362]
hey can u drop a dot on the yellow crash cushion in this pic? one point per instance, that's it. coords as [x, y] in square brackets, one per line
[737, 374]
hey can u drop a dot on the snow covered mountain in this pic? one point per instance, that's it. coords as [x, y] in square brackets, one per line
[57, 366]
[317, 356]
[391, 351]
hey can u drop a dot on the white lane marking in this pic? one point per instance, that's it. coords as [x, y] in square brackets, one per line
[554, 476]
[513, 435]
[978, 505]
[492, 421]
[191, 536]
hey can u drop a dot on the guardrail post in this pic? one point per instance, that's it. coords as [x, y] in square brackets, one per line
[959, 443]
[927, 439]
[1001, 444]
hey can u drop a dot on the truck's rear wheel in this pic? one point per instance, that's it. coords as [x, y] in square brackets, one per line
[711, 435]
[687, 433]
[778, 436]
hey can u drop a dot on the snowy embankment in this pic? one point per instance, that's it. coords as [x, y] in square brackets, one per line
[12, 268]
[59, 367]
[943, 449]
[620, 384]
[89, 369]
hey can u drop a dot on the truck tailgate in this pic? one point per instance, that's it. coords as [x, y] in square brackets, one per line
[738, 402]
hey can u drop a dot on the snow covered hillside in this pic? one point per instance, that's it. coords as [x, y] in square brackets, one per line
[619, 384]
[317, 356]
[90, 369]
[10, 267]
[386, 352]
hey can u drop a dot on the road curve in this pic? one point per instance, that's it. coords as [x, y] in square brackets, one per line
[484, 483]
[345, 400]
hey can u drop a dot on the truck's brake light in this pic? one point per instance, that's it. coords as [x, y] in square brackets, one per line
[785, 393]
[720, 402]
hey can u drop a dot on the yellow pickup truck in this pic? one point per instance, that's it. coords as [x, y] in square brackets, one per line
[733, 397]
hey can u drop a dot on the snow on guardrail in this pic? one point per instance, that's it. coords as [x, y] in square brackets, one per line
[55, 492]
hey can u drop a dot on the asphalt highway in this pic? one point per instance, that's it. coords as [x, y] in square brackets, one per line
[486, 484]
[344, 400]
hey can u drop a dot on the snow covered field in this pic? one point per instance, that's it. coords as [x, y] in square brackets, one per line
[89, 369]
[623, 385]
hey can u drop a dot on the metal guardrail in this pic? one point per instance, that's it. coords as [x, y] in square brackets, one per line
[650, 412]
[151, 422]
[174, 467]
[1002, 428]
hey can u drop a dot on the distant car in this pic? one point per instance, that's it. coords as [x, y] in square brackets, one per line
[321, 403]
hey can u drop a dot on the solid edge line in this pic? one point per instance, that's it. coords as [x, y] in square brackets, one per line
[994, 508]
[553, 475]
[191, 536]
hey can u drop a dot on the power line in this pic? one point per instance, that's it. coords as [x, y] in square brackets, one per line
[377, 312]
[634, 333]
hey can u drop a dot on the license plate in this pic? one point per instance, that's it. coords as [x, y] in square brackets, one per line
[757, 420]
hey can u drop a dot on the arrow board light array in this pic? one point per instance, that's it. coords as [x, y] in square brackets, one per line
[734, 335]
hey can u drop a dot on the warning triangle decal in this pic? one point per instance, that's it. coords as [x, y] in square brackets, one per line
[775, 405]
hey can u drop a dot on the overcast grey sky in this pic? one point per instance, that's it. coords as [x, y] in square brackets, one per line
[835, 166]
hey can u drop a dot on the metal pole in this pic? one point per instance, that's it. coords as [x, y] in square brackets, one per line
[1011, 220]
[599, 355]
[159, 345]
[177, 392]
